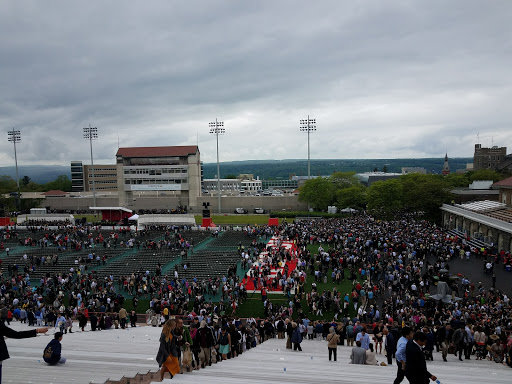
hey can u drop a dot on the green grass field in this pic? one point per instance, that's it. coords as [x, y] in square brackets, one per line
[238, 219]
[89, 218]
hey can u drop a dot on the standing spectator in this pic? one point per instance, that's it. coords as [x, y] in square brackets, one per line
[459, 337]
[224, 342]
[429, 346]
[122, 317]
[205, 340]
[480, 340]
[416, 366]
[167, 356]
[133, 319]
[390, 344]
[444, 338]
[350, 334]
[332, 343]
[364, 338]
[407, 335]
[296, 337]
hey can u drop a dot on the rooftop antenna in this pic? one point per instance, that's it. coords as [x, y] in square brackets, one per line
[117, 141]
[492, 141]
[478, 137]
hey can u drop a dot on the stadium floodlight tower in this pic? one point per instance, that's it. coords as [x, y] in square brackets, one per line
[308, 125]
[217, 128]
[15, 137]
[91, 133]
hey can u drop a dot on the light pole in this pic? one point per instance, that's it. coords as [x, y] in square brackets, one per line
[217, 128]
[308, 125]
[15, 137]
[91, 133]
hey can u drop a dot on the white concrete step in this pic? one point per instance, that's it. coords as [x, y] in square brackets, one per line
[94, 357]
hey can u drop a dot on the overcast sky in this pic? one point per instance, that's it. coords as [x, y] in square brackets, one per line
[383, 79]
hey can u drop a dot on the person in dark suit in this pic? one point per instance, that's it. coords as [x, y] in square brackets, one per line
[390, 344]
[415, 364]
[5, 331]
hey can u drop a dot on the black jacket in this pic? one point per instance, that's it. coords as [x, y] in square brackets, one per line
[11, 333]
[51, 354]
[415, 364]
[166, 348]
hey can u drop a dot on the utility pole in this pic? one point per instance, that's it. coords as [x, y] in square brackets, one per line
[308, 125]
[91, 133]
[15, 137]
[217, 128]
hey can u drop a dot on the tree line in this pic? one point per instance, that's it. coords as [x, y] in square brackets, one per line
[8, 185]
[9, 189]
[419, 194]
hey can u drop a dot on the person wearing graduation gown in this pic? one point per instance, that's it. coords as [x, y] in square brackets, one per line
[167, 356]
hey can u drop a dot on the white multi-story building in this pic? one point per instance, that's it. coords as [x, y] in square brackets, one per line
[174, 170]
[251, 185]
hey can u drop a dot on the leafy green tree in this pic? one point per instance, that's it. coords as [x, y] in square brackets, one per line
[485, 174]
[385, 198]
[232, 176]
[424, 194]
[318, 192]
[343, 180]
[457, 180]
[351, 197]
[7, 184]
[25, 180]
[62, 183]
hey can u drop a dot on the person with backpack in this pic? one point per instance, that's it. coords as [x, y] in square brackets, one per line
[52, 352]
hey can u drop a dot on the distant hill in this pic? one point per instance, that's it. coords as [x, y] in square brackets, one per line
[282, 169]
[37, 173]
[269, 169]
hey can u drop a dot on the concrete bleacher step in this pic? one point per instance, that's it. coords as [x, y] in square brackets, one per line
[271, 362]
[95, 357]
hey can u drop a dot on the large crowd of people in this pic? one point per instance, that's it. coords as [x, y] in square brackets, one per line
[392, 267]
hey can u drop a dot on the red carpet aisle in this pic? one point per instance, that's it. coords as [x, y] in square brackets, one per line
[275, 244]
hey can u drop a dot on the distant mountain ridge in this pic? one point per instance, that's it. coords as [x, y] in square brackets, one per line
[37, 173]
[269, 169]
[283, 169]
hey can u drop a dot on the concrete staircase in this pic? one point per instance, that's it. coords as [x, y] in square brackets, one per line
[271, 362]
[128, 356]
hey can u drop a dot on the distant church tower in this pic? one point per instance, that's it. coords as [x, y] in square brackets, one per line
[446, 167]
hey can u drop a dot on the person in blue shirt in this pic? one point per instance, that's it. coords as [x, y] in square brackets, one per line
[364, 338]
[407, 334]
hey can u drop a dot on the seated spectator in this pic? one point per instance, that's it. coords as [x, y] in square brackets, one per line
[358, 355]
[52, 352]
[370, 356]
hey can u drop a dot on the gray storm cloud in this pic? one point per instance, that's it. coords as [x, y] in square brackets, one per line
[383, 79]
